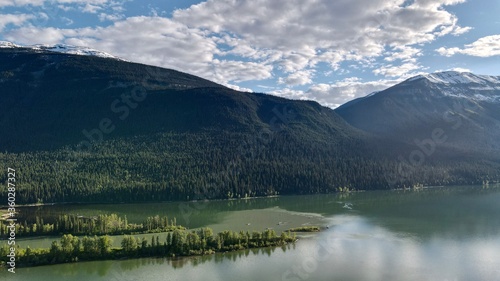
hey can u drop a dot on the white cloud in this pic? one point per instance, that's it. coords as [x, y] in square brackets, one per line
[350, 29]
[20, 3]
[453, 28]
[230, 41]
[33, 35]
[289, 93]
[437, 4]
[154, 41]
[54, 7]
[65, 8]
[484, 47]
[331, 57]
[238, 88]
[458, 30]
[396, 70]
[460, 69]
[67, 21]
[15, 19]
[448, 52]
[239, 71]
[404, 53]
[7, 3]
[292, 61]
[336, 94]
[92, 9]
[239, 48]
[301, 77]
[110, 17]
[94, 2]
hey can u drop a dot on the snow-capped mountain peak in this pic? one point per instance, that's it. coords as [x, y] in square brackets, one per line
[455, 77]
[5, 44]
[61, 48]
[464, 85]
[75, 50]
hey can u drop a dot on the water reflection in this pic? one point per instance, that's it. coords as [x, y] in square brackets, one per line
[440, 234]
[360, 250]
[354, 248]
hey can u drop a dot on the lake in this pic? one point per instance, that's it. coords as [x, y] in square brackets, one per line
[442, 233]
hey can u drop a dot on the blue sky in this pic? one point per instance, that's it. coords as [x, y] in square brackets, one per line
[331, 51]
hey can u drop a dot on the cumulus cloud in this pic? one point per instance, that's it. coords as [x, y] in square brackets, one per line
[231, 41]
[20, 3]
[301, 77]
[54, 8]
[396, 70]
[15, 19]
[34, 35]
[92, 9]
[403, 53]
[238, 88]
[110, 17]
[335, 94]
[292, 61]
[154, 41]
[67, 21]
[290, 93]
[484, 47]
[460, 69]
[323, 24]
[239, 71]
[7, 3]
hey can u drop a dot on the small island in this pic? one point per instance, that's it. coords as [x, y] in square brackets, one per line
[179, 241]
[305, 229]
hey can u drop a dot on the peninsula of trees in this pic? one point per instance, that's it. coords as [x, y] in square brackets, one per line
[97, 244]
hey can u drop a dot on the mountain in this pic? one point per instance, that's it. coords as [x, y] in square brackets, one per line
[80, 127]
[462, 106]
[57, 96]
[59, 48]
[88, 128]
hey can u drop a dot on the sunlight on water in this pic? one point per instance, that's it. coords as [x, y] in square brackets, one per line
[385, 236]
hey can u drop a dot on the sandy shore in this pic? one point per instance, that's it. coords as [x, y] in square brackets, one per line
[272, 218]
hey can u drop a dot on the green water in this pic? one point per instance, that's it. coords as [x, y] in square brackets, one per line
[449, 233]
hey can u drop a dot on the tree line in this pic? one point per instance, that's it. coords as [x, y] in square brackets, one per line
[177, 243]
[94, 225]
[172, 167]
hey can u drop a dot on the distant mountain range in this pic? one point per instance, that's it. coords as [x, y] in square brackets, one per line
[86, 127]
[59, 48]
[465, 106]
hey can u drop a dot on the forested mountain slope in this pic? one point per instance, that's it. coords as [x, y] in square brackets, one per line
[92, 129]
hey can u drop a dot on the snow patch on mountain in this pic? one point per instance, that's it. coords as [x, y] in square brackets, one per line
[61, 48]
[5, 44]
[463, 85]
[472, 95]
[372, 93]
[454, 77]
[74, 50]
